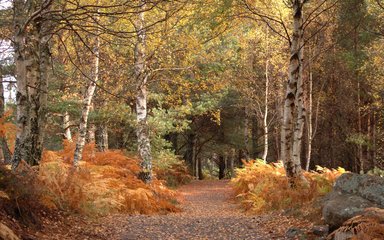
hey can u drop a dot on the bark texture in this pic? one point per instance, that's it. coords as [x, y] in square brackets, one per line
[294, 109]
[66, 127]
[141, 74]
[102, 138]
[87, 101]
[31, 46]
[265, 117]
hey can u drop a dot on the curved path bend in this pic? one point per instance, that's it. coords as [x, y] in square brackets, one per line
[208, 213]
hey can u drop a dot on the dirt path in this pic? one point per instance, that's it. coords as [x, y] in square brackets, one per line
[208, 213]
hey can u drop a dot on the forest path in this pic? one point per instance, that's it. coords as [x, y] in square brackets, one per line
[208, 213]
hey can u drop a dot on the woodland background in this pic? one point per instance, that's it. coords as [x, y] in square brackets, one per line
[105, 106]
[218, 74]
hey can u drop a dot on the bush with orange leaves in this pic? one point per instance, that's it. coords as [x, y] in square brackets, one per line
[8, 129]
[262, 187]
[105, 183]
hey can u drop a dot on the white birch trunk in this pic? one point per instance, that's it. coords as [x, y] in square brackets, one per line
[265, 119]
[66, 127]
[309, 121]
[292, 127]
[142, 131]
[32, 60]
[21, 79]
[87, 101]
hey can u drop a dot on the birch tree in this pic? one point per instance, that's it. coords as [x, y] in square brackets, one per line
[292, 126]
[67, 126]
[31, 46]
[87, 101]
[141, 76]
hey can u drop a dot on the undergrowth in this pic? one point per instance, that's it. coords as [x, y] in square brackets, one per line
[105, 183]
[262, 187]
[172, 170]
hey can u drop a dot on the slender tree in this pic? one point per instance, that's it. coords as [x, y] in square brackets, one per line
[87, 100]
[141, 76]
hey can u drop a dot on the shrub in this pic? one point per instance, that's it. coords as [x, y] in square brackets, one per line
[171, 169]
[106, 182]
[262, 187]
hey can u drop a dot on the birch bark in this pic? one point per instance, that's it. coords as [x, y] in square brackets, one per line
[309, 121]
[87, 100]
[32, 60]
[294, 109]
[265, 118]
[66, 127]
[142, 131]
[22, 110]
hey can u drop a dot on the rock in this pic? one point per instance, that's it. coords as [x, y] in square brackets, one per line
[293, 232]
[352, 194]
[365, 186]
[321, 230]
[343, 206]
[7, 234]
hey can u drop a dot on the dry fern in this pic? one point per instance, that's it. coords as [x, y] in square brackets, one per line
[264, 187]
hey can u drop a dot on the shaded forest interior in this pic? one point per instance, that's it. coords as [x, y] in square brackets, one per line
[213, 75]
[106, 107]
[212, 83]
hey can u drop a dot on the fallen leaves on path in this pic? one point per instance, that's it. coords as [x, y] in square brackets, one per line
[209, 212]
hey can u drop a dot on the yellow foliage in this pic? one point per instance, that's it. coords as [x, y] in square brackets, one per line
[264, 187]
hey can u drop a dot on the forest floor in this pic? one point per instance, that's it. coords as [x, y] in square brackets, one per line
[208, 212]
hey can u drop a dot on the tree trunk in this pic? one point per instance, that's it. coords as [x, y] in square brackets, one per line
[246, 133]
[255, 138]
[141, 75]
[66, 127]
[200, 169]
[265, 118]
[221, 167]
[231, 162]
[194, 157]
[360, 145]
[32, 60]
[91, 132]
[38, 98]
[87, 101]
[21, 59]
[292, 127]
[309, 120]
[102, 137]
[3, 138]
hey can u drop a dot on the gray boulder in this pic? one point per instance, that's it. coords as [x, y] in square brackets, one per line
[352, 194]
[366, 186]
